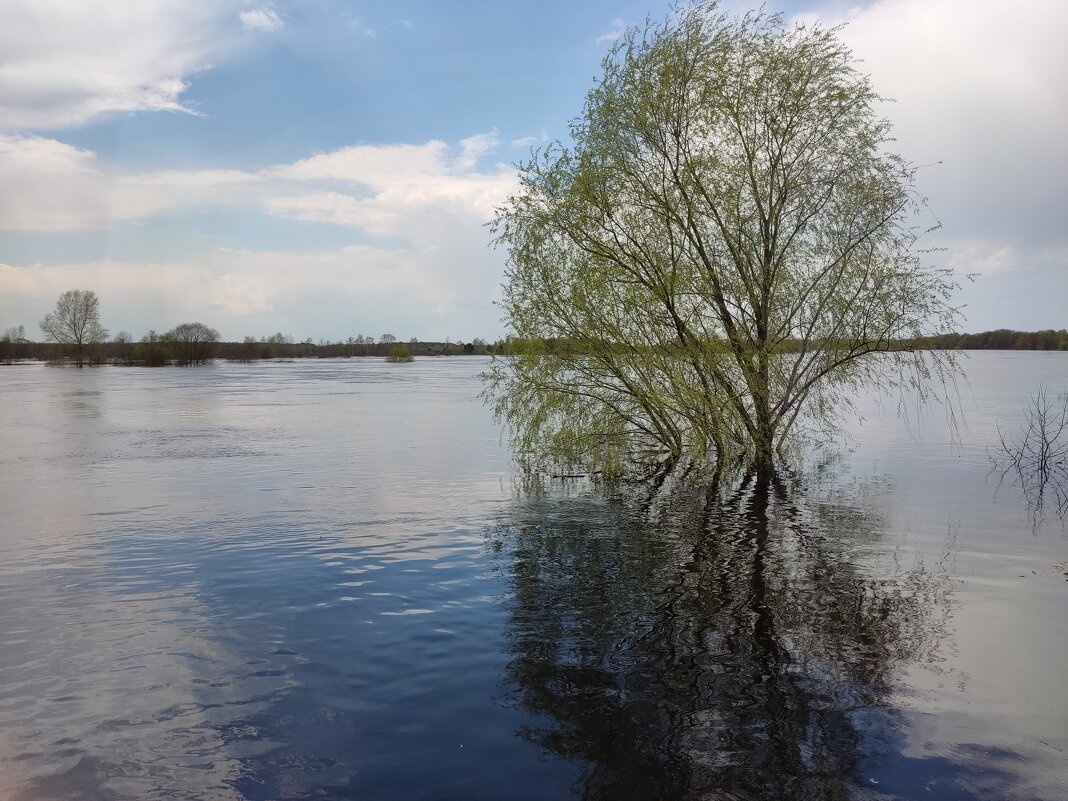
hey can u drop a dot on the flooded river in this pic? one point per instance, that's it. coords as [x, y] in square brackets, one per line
[324, 579]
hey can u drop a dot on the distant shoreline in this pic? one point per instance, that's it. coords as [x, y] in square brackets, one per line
[127, 353]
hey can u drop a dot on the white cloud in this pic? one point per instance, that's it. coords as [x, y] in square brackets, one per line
[531, 141]
[395, 188]
[614, 31]
[372, 165]
[979, 87]
[430, 268]
[240, 294]
[46, 185]
[332, 207]
[474, 148]
[431, 288]
[988, 256]
[977, 257]
[198, 179]
[263, 18]
[63, 62]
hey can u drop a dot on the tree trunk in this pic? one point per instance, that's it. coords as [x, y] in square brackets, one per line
[764, 453]
[764, 436]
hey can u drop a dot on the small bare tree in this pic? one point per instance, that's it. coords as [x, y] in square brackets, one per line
[123, 347]
[75, 322]
[1038, 454]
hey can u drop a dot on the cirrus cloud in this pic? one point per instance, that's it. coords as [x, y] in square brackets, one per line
[263, 18]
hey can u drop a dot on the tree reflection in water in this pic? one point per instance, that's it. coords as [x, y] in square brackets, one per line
[713, 645]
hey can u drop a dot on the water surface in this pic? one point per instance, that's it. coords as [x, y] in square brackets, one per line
[323, 579]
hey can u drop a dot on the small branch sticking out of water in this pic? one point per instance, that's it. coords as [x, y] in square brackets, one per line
[1039, 454]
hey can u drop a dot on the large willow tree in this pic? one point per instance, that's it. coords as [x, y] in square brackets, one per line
[709, 269]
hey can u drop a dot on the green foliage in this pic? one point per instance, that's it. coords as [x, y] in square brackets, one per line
[399, 353]
[707, 272]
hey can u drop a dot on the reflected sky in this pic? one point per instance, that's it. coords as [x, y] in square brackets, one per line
[713, 643]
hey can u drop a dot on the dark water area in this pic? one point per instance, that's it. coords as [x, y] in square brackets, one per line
[324, 579]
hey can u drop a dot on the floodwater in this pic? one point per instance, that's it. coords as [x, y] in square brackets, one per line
[324, 579]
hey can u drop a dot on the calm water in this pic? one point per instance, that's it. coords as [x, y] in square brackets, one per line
[323, 580]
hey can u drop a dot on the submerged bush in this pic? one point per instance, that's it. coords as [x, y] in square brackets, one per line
[399, 353]
[1038, 455]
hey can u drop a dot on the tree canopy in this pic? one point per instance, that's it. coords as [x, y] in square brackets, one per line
[192, 343]
[708, 268]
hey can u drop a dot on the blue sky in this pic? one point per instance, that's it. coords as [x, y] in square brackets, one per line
[326, 168]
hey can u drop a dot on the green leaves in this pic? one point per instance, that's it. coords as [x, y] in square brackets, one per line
[722, 248]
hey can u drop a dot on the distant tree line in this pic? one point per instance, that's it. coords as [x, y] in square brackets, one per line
[1000, 339]
[14, 345]
[161, 349]
[280, 346]
[74, 335]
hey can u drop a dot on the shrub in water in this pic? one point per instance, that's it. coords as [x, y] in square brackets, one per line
[399, 353]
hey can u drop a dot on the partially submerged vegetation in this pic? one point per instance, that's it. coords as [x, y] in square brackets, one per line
[722, 250]
[1036, 456]
[399, 354]
[155, 350]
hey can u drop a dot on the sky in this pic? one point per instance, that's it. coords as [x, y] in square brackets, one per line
[326, 169]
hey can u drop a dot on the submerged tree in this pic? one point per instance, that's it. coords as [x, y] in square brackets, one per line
[75, 323]
[192, 343]
[705, 271]
[151, 351]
